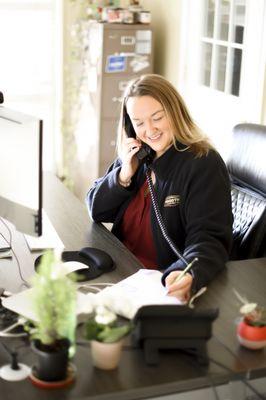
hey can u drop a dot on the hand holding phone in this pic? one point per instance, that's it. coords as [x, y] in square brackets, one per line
[130, 163]
[145, 153]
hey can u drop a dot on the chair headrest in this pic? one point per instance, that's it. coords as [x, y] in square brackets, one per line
[247, 161]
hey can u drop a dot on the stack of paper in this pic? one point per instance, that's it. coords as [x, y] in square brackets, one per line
[124, 298]
[140, 289]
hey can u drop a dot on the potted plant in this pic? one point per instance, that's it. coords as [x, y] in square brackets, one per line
[54, 303]
[251, 330]
[106, 333]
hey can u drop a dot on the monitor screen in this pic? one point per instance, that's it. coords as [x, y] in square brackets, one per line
[21, 170]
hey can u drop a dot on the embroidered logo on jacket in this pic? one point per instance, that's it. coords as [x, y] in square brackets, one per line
[172, 201]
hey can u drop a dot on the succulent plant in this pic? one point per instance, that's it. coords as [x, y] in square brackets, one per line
[253, 314]
[104, 326]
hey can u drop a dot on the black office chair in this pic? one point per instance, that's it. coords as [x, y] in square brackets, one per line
[247, 169]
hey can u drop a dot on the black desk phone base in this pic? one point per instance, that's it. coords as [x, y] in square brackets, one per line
[173, 327]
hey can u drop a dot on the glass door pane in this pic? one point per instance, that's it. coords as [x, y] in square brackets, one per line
[223, 20]
[208, 30]
[236, 71]
[238, 21]
[221, 56]
[206, 63]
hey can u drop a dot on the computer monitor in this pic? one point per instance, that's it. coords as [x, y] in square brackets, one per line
[21, 170]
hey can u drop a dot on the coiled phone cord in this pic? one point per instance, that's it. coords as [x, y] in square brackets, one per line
[160, 218]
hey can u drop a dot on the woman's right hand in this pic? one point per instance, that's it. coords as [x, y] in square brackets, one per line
[129, 161]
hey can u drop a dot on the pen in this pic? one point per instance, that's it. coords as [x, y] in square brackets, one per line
[183, 273]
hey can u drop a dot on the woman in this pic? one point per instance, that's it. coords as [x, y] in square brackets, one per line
[191, 185]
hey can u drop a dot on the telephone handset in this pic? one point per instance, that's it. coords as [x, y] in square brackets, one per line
[146, 153]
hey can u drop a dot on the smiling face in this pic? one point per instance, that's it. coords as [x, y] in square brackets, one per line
[150, 123]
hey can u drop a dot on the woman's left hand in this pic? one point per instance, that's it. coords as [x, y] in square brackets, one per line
[181, 289]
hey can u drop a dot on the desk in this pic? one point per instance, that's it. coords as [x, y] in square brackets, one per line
[177, 372]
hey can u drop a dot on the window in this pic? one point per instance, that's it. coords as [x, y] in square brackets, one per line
[222, 45]
[29, 63]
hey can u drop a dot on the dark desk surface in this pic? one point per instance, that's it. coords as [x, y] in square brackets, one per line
[133, 379]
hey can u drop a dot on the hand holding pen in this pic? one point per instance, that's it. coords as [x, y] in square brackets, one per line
[179, 283]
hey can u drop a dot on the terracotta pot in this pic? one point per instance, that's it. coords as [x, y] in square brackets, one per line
[252, 337]
[106, 355]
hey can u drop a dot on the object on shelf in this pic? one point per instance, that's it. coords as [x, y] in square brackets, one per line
[114, 15]
[144, 17]
[128, 16]
[131, 15]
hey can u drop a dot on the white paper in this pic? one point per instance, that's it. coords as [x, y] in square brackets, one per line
[124, 298]
[139, 63]
[140, 289]
[143, 35]
[48, 240]
[143, 47]
[21, 303]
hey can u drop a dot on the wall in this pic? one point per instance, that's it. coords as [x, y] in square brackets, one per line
[166, 22]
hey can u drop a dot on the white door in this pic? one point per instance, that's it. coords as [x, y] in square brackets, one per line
[223, 52]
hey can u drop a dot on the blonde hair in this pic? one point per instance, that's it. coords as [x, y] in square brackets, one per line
[185, 131]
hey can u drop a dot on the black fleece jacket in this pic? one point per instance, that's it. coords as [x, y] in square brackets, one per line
[194, 199]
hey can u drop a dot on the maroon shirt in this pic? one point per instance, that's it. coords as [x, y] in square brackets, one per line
[136, 228]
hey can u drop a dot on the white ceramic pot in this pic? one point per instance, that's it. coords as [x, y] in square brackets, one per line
[106, 355]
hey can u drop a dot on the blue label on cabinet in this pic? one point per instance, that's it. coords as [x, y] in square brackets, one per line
[116, 64]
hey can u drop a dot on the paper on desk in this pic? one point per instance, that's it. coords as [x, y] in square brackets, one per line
[48, 240]
[124, 298]
[21, 303]
[140, 289]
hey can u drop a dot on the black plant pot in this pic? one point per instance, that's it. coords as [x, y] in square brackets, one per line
[52, 361]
